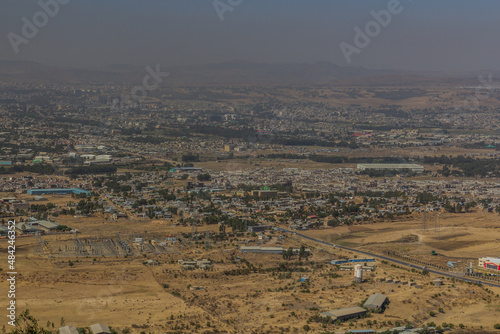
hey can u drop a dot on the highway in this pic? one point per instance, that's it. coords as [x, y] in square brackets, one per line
[403, 263]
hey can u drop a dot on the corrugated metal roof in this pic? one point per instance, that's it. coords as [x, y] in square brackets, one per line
[376, 300]
[342, 312]
[68, 330]
[99, 329]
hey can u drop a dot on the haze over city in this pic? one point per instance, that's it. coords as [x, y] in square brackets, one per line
[448, 35]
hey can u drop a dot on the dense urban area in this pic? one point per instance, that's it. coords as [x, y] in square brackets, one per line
[252, 208]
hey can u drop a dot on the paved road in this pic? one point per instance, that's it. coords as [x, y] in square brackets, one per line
[403, 263]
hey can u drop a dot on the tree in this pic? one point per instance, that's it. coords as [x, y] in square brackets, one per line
[204, 177]
[27, 324]
[302, 252]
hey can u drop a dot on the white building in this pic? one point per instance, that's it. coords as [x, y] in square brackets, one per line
[412, 167]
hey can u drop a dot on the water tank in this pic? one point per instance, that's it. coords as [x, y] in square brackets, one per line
[358, 273]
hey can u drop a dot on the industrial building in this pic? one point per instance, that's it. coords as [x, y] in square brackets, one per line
[345, 313]
[490, 263]
[100, 329]
[346, 267]
[68, 330]
[9, 199]
[57, 191]
[258, 249]
[195, 264]
[361, 331]
[45, 224]
[360, 260]
[27, 228]
[412, 167]
[258, 228]
[376, 301]
[97, 159]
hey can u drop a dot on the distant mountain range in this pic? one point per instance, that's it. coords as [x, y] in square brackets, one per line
[233, 72]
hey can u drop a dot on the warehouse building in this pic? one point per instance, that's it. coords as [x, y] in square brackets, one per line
[100, 329]
[27, 228]
[411, 167]
[58, 191]
[361, 260]
[68, 330]
[345, 267]
[377, 301]
[257, 249]
[195, 264]
[98, 159]
[258, 228]
[490, 263]
[46, 225]
[345, 313]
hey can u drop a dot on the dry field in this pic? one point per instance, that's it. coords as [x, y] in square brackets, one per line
[454, 237]
[124, 292]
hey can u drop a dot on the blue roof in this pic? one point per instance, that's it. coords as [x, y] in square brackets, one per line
[58, 191]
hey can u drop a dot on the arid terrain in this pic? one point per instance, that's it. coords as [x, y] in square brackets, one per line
[254, 292]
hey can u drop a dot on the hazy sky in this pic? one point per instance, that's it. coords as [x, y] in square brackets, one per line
[425, 35]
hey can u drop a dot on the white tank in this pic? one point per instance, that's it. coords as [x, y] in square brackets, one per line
[358, 273]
